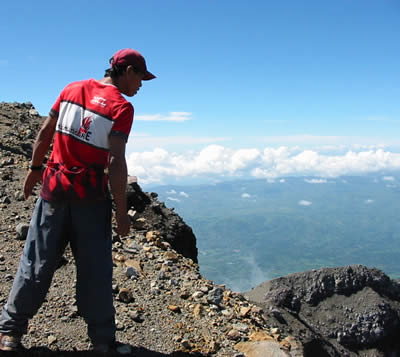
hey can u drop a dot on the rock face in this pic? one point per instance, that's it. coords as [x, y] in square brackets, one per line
[340, 310]
[149, 213]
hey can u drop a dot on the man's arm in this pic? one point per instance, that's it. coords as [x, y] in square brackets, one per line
[118, 173]
[40, 148]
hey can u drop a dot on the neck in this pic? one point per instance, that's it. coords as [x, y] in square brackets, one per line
[108, 80]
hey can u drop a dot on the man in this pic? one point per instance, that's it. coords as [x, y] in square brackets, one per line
[90, 123]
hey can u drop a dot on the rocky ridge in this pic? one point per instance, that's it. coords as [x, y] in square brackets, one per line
[163, 304]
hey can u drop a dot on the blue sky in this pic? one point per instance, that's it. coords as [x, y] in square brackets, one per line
[244, 89]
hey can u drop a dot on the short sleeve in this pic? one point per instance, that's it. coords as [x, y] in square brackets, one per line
[123, 121]
[55, 109]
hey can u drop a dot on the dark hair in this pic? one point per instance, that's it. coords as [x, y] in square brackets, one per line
[115, 71]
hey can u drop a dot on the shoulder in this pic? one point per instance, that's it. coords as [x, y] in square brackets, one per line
[123, 109]
[73, 86]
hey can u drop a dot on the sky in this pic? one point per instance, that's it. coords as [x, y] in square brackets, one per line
[256, 89]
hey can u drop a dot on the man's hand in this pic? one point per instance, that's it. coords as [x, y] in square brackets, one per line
[123, 223]
[32, 178]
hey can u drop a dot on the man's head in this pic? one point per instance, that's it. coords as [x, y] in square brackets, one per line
[128, 69]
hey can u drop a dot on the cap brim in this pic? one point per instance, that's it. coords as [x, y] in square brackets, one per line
[148, 76]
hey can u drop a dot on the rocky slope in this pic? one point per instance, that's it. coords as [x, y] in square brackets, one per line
[163, 305]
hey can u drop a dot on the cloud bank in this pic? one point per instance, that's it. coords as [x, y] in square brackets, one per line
[216, 162]
[172, 116]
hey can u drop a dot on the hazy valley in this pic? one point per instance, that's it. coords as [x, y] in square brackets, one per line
[254, 230]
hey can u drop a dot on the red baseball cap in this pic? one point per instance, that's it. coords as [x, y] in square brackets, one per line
[127, 57]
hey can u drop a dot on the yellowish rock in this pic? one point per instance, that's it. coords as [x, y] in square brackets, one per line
[233, 334]
[152, 236]
[134, 264]
[261, 349]
[171, 256]
[244, 311]
[261, 336]
[174, 308]
[119, 258]
[197, 310]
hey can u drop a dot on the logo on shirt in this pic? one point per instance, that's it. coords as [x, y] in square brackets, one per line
[83, 131]
[99, 100]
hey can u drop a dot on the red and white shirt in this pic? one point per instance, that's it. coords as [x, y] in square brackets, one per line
[87, 113]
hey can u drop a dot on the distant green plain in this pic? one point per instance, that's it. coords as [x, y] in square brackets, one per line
[251, 231]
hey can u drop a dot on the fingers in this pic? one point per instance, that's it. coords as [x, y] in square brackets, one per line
[123, 225]
[31, 180]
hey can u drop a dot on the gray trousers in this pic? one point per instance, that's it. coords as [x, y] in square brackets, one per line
[87, 227]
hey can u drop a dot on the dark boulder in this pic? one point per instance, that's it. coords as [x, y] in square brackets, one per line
[338, 311]
[158, 217]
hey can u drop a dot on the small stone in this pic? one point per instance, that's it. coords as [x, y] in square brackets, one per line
[197, 295]
[173, 282]
[22, 231]
[184, 295]
[171, 256]
[177, 338]
[131, 273]
[256, 310]
[275, 331]
[215, 296]
[226, 313]
[233, 334]
[244, 311]
[125, 295]
[152, 236]
[2, 258]
[241, 327]
[186, 344]
[204, 289]
[119, 258]
[119, 325]
[131, 213]
[19, 196]
[161, 275]
[136, 316]
[139, 223]
[33, 112]
[197, 310]
[174, 308]
[261, 336]
[213, 347]
[51, 339]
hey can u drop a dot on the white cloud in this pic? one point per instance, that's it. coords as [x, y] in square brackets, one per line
[282, 180]
[184, 194]
[388, 178]
[171, 192]
[172, 116]
[305, 203]
[216, 162]
[173, 199]
[245, 195]
[145, 141]
[315, 180]
[369, 201]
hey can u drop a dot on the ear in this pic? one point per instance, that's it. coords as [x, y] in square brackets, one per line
[130, 69]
